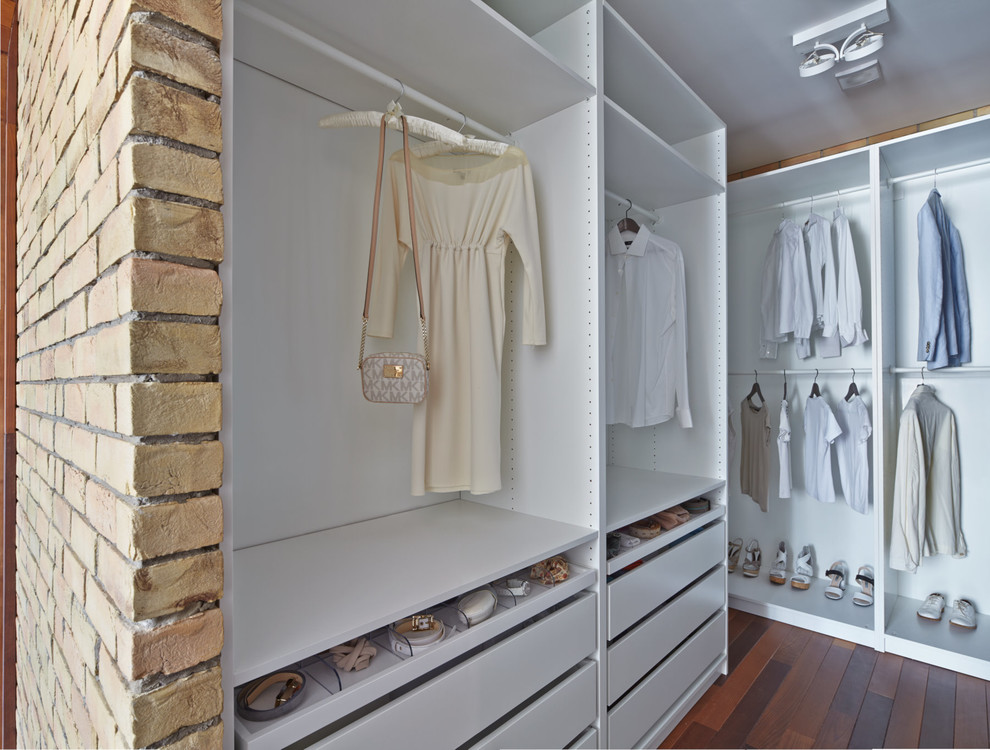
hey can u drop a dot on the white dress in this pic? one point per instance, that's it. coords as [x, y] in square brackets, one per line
[469, 207]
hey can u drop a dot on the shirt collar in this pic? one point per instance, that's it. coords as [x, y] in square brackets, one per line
[616, 245]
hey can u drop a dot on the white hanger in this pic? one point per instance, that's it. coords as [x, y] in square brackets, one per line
[442, 136]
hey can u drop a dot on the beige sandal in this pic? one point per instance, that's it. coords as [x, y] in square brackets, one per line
[735, 547]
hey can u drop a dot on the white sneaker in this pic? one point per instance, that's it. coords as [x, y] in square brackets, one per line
[933, 607]
[963, 614]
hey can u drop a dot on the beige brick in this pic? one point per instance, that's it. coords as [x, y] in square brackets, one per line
[75, 316]
[208, 739]
[168, 408]
[154, 470]
[103, 614]
[149, 48]
[101, 405]
[159, 167]
[160, 588]
[170, 648]
[102, 301]
[163, 287]
[104, 196]
[158, 529]
[75, 402]
[162, 110]
[138, 347]
[203, 16]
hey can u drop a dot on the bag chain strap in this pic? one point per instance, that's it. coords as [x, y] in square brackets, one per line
[374, 238]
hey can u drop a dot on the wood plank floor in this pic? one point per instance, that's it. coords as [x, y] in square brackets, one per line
[791, 688]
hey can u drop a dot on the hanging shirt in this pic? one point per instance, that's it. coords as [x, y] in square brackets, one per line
[927, 513]
[786, 307]
[850, 292]
[854, 469]
[820, 429]
[469, 209]
[784, 449]
[754, 461]
[821, 262]
[944, 326]
[646, 331]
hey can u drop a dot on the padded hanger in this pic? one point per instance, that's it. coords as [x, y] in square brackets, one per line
[755, 391]
[815, 392]
[853, 390]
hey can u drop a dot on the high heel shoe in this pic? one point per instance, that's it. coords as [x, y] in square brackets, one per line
[751, 568]
[735, 547]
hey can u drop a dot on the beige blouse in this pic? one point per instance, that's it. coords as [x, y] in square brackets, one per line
[469, 207]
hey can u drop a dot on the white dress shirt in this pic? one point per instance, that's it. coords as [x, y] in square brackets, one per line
[850, 292]
[646, 318]
[785, 300]
[821, 261]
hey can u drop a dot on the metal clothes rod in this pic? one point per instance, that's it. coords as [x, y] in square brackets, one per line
[837, 194]
[936, 173]
[366, 70]
[942, 371]
[653, 216]
[808, 371]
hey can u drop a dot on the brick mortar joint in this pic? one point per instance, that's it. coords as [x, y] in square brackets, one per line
[126, 379]
[187, 438]
[185, 732]
[151, 75]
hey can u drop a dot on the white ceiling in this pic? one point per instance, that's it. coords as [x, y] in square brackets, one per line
[737, 56]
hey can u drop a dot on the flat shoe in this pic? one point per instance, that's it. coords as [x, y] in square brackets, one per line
[932, 608]
[683, 516]
[963, 614]
[837, 575]
[735, 547]
[751, 568]
[864, 577]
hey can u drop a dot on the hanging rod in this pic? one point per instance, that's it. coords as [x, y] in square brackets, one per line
[961, 370]
[366, 70]
[808, 371]
[938, 172]
[653, 216]
[837, 194]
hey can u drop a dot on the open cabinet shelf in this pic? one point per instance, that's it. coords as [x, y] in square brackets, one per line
[634, 494]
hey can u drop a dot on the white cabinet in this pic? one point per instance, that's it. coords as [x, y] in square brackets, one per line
[881, 189]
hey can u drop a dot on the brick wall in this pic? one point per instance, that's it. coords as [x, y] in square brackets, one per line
[118, 458]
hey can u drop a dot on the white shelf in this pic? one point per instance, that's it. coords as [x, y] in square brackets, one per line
[809, 609]
[960, 143]
[938, 642]
[532, 18]
[668, 108]
[664, 538]
[842, 172]
[361, 577]
[387, 671]
[506, 82]
[644, 168]
[633, 494]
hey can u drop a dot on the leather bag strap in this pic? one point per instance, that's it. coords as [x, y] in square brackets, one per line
[374, 237]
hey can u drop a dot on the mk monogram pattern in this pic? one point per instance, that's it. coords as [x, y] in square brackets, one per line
[381, 383]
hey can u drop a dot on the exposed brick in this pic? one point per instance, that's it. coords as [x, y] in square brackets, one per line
[159, 529]
[203, 16]
[161, 287]
[148, 47]
[168, 408]
[147, 347]
[208, 739]
[159, 167]
[163, 469]
[170, 648]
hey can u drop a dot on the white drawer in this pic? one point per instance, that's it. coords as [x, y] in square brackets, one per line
[554, 719]
[634, 715]
[451, 708]
[636, 593]
[639, 650]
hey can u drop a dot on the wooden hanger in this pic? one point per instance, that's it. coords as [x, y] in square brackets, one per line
[628, 225]
[815, 392]
[755, 391]
[853, 390]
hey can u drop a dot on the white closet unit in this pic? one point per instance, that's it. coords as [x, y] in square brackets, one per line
[326, 542]
[665, 602]
[881, 188]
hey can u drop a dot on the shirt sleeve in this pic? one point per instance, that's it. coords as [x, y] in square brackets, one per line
[521, 228]
[907, 526]
[832, 428]
[930, 284]
[680, 343]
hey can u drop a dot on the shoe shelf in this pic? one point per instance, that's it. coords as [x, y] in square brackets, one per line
[299, 596]
[633, 494]
[937, 642]
[332, 694]
[663, 539]
[809, 608]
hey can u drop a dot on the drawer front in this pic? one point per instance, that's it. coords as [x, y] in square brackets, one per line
[634, 715]
[553, 719]
[450, 709]
[639, 591]
[646, 645]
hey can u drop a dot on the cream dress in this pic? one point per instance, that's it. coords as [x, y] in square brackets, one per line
[469, 207]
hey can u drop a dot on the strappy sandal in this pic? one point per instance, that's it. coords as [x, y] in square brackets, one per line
[864, 598]
[778, 571]
[751, 568]
[803, 572]
[837, 575]
[735, 547]
[682, 515]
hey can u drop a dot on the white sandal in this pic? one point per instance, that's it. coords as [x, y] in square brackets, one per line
[837, 575]
[803, 572]
[735, 547]
[864, 598]
[751, 568]
[778, 571]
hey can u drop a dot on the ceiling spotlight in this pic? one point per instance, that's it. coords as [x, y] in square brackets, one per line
[820, 59]
[861, 43]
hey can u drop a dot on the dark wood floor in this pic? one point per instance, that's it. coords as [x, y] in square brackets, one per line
[789, 687]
